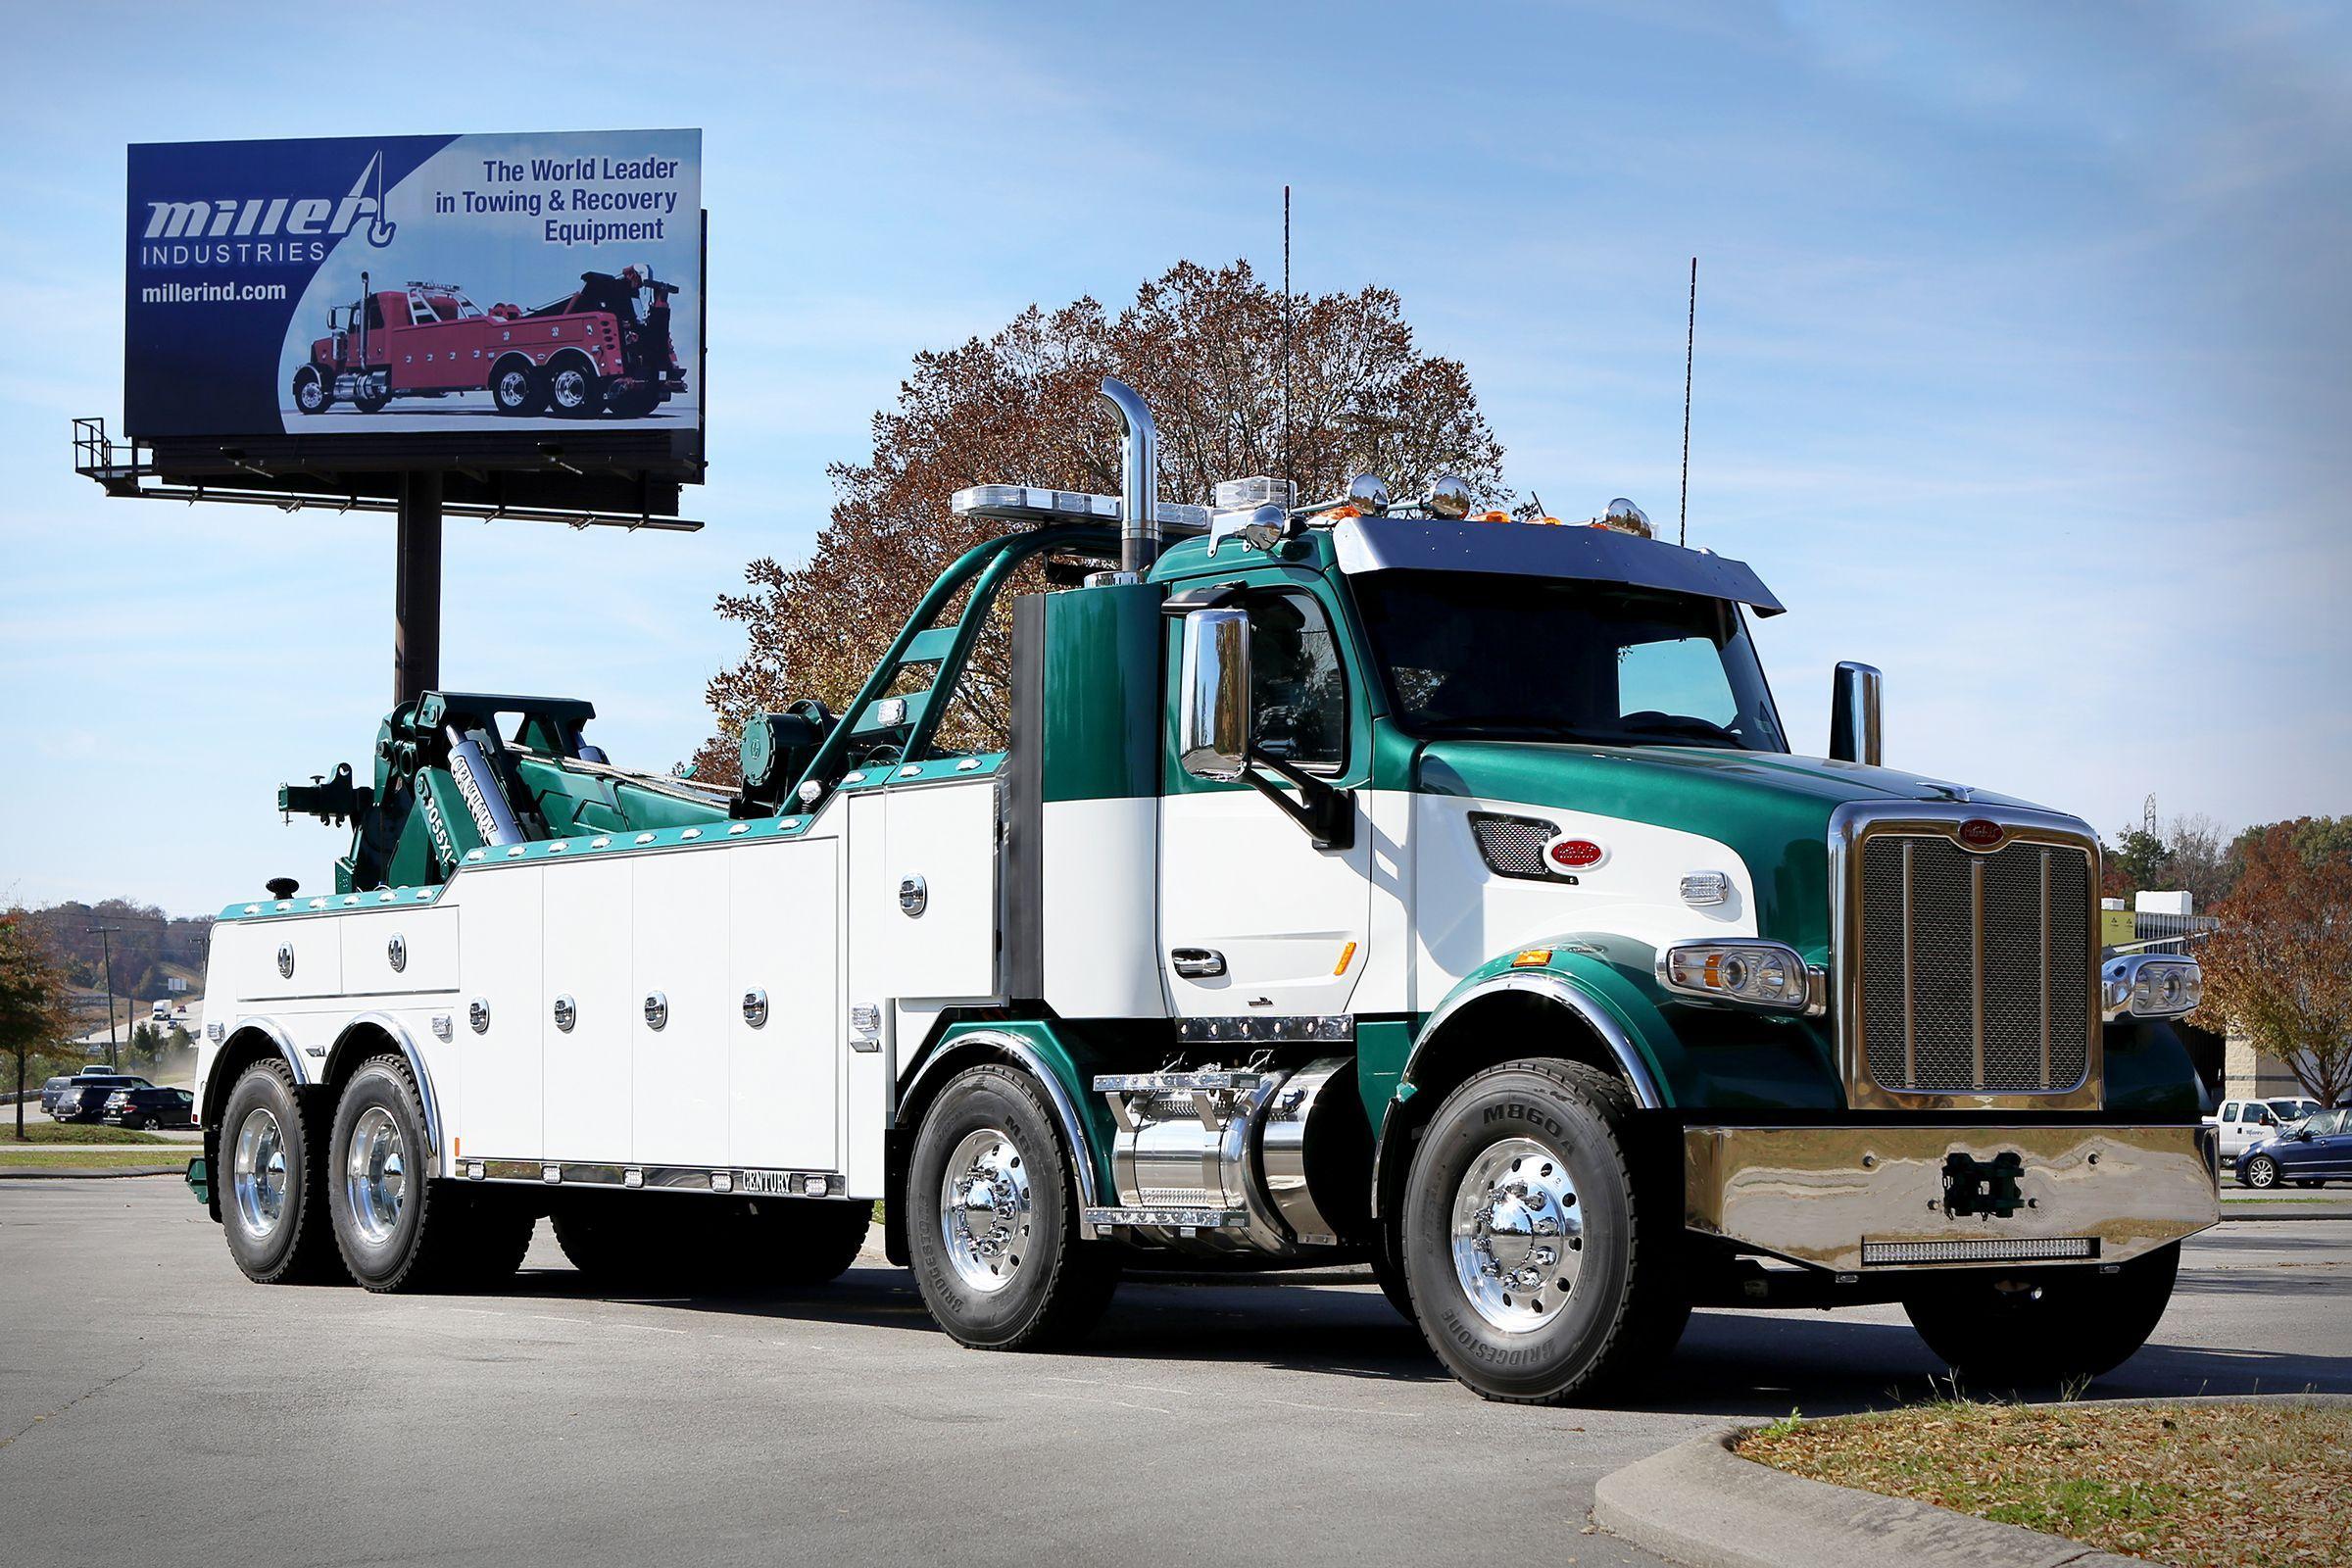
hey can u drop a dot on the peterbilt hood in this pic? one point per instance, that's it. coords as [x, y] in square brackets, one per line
[1770, 809]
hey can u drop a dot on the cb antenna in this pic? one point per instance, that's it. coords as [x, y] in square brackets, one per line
[1682, 527]
[1286, 473]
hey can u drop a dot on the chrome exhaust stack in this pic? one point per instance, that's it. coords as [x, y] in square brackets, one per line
[1139, 478]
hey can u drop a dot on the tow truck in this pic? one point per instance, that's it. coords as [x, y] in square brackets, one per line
[1366, 881]
[588, 353]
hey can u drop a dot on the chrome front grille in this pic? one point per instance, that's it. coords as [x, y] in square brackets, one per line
[1976, 967]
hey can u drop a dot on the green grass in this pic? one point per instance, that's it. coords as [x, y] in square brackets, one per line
[42, 1130]
[65, 1157]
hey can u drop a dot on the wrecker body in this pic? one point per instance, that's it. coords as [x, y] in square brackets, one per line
[1347, 882]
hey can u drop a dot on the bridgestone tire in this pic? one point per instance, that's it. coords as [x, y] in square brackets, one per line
[2075, 1325]
[1054, 1286]
[617, 1241]
[1623, 1307]
[298, 1247]
[435, 1240]
[1388, 1268]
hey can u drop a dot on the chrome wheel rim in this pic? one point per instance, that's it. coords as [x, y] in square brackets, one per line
[1518, 1235]
[512, 388]
[310, 394]
[2261, 1173]
[257, 1172]
[376, 1175]
[985, 1209]
[572, 388]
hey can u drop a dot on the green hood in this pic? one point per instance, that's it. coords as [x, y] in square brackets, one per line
[1773, 810]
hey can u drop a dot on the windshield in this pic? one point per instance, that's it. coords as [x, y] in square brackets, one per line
[1489, 656]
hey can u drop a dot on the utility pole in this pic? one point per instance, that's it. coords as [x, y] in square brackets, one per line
[114, 1059]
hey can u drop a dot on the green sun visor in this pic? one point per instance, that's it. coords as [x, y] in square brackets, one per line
[1595, 555]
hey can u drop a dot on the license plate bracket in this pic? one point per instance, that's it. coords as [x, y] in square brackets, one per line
[1984, 1187]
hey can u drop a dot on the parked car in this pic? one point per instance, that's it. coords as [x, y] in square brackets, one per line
[83, 1099]
[52, 1088]
[2311, 1153]
[2288, 1107]
[150, 1107]
[2243, 1123]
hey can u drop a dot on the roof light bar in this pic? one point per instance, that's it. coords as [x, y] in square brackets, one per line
[1028, 503]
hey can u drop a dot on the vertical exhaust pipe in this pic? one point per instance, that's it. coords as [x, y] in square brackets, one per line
[1139, 478]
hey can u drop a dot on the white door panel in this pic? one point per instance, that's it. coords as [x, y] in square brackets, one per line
[945, 834]
[783, 937]
[1240, 879]
[428, 949]
[679, 1072]
[588, 923]
[499, 958]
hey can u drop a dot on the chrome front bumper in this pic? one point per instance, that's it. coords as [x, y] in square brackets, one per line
[1874, 1199]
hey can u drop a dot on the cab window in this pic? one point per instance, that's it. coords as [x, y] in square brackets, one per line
[1297, 685]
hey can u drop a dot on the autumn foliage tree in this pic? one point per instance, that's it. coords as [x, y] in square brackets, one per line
[1203, 346]
[2279, 969]
[33, 990]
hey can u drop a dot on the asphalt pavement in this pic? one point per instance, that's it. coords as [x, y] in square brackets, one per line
[153, 1401]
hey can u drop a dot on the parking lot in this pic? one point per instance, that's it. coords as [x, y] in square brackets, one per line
[153, 1402]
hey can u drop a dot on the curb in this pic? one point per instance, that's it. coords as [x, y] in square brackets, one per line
[1701, 1504]
[2298, 1212]
[88, 1173]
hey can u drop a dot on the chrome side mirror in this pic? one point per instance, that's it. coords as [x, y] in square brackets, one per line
[1855, 735]
[1212, 735]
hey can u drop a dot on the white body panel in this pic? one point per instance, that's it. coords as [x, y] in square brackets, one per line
[679, 1071]
[428, 949]
[586, 944]
[946, 836]
[1465, 915]
[500, 1067]
[1238, 877]
[870, 1070]
[1099, 934]
[783, 938]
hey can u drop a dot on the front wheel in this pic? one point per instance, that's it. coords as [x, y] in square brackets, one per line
[2065, 1327]
[2262, 1173]
[991, 1224]
[311, 394]
[1539, 1270]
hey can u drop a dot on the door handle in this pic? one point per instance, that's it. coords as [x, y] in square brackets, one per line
[1197, 963]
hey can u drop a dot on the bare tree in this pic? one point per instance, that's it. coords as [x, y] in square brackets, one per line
[1204, 345]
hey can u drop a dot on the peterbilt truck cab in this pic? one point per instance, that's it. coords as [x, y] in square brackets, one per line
[1355, 881]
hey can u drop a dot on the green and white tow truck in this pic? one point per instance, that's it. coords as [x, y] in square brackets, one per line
[1351, 881]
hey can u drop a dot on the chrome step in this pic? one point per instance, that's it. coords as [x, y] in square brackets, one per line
[1174, 1219]
[1175, 1083]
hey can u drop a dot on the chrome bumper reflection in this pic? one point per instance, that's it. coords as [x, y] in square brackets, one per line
[1879, 1198]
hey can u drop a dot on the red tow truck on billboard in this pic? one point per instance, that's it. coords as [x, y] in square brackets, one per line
[604, 348]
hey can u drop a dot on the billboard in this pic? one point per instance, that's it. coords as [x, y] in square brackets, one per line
[352, 286]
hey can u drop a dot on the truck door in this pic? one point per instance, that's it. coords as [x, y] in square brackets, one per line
[678, 1057]
[588, 1010]
[497, 1011]
[1253, 919]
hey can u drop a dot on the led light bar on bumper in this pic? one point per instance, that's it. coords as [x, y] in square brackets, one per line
[1747, 973]
[2150, 985]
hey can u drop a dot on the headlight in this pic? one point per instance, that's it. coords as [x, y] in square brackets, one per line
[1751, 974]
[2151, 985]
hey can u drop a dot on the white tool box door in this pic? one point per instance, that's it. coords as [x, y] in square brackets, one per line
[939, 920]
[784, 944]
[586, 914]
[497, 967]
[679, 1069]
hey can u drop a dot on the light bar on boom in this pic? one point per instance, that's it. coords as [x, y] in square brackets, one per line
[1028, 503]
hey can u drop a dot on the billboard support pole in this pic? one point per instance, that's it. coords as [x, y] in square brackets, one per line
[416, 588]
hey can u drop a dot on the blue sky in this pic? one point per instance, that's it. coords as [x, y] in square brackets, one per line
[2020, 352]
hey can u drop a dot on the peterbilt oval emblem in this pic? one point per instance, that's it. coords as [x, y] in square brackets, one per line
[1573, 854]
[1979, 833]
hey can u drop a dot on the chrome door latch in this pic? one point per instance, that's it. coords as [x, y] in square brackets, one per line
[1197, 963]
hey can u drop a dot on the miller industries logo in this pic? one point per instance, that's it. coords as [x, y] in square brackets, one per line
[264, 231]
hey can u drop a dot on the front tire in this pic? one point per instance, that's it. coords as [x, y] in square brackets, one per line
[312, 393]
[2262, 1173]
[2000, 1333]
[1539, 1271]
[274, 1201]
[992, 1221]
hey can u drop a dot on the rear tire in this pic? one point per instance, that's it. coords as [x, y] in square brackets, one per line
[2063, 1328]
[516, 388]
[616, 1242]
[1538, 1272]
[397, 1227]
[274, 1208]
[992, 1219]
[574, 390]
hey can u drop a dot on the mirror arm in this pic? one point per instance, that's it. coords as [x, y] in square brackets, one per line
[1325, 814]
